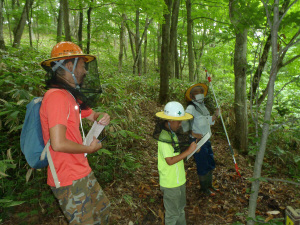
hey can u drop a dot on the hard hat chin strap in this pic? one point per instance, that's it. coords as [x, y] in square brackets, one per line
[60, 64]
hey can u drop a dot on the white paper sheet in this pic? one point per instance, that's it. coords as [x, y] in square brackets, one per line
[95, 131]
[199, 144]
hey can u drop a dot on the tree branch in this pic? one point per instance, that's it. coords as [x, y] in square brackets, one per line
[214, 2]
[140, 43]
[280, 19]
[94, 7]
[292, 42]
[202, 17]
[267, 12]
[287, 83]
[291, 120]
[281, 180]
[290, 61]
[208, 5]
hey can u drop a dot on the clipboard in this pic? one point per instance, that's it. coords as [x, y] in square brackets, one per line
[95, 131]
[199, 144]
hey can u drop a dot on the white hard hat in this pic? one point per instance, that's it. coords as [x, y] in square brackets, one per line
[174, 111]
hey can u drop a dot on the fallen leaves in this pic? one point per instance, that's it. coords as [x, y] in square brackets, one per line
[228, 206]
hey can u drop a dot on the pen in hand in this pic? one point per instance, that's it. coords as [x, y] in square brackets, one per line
[102, 139]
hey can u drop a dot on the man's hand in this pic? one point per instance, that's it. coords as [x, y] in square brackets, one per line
[105, 118]
[95, 145]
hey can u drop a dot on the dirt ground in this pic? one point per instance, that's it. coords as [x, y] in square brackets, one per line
[136, 199]
[228, 206]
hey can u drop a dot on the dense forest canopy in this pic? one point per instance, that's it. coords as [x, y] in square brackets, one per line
[153, 50]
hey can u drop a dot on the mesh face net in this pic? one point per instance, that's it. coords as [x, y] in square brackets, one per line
[180, 144]
[91, 82]
[90, 89]
[91, 86]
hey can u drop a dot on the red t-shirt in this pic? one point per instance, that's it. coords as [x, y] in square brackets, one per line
[59, 107]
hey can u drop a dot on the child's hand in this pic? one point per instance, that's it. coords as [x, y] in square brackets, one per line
[196, 141]
[192, 147]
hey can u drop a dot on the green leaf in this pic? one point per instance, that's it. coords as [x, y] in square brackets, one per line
[132, 134]
[14, 203]
[5, 112]
[104, 151]
[123, 133]
[14, 115]
[5, 201]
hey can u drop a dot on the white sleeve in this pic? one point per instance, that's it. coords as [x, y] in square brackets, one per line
[190, 109]
[210, 120]
[186, 123]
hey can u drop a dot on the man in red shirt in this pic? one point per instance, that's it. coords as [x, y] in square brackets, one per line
[80, 196]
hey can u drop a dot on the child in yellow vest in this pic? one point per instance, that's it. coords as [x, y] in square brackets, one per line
[170, 163]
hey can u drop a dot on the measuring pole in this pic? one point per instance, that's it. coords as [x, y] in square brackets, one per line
[230, 147]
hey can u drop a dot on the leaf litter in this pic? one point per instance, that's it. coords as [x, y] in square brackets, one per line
[137, 199]
[228, 206]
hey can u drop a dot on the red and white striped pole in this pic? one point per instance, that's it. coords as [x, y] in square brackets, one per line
[230, 147]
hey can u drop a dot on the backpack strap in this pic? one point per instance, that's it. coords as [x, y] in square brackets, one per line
[52, 168]
[51, 164]
[44, 152]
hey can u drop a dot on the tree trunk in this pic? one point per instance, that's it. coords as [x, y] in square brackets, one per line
[199, 54]
[140, 44]
[29, 16]
[60, 22]
[154, 53]
[285, 6]
[2, 43]
[125, 43]
[190, 40]
[130, 35]
[267, 117]
[9, 22]
[164, 67]
[240, 69]
[177, 70]
[15, 20]
[262, 62]
[183, 54]
[137, 40]
[173, 36]
[80, 25]
[180, 57]
[158, 45]
[122, 30]
[66, 20]
[88, 41]
[240, 100]
[145, 50]
[20, 28]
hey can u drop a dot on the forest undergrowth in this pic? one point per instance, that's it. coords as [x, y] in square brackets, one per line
[127, 165]
[136, 198]
[139, 200]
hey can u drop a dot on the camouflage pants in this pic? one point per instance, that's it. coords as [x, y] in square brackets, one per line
[83, 202]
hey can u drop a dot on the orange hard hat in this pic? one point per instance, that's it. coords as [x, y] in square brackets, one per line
[188, 91]
[66, 50]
